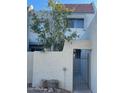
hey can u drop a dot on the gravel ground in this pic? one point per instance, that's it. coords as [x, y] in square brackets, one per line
[32, 90]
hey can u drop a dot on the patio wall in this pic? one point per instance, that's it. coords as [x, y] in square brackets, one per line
[49, 65]
[29, 67]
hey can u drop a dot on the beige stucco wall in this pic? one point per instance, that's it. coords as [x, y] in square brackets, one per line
[29, 67]
[49, 65]
[93, 36]
[94, 59]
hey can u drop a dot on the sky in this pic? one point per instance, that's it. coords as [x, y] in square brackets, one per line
[42, 4]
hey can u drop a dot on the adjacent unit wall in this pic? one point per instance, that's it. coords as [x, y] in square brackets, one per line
[29, 67]
[94, 61]
[93, 34]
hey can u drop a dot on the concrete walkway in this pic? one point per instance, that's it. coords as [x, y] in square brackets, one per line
[83, 91]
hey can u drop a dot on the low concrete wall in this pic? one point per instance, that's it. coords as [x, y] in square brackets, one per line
[49, 65]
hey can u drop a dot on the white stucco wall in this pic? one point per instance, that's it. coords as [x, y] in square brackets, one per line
[94, 60]
[29, 67]
[93, 37]
[49, 65]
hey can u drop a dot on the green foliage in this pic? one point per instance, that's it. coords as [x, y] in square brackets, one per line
[51, 26]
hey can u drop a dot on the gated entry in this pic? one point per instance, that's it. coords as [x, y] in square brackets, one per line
[81, 59]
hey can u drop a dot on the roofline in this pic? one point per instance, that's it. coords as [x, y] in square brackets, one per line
[83, 12]
[91, 3]
[78, 4]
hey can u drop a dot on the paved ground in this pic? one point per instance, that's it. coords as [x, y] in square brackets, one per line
[38, 91]
[83, 91]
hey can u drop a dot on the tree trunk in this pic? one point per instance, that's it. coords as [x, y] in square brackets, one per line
[52, 48]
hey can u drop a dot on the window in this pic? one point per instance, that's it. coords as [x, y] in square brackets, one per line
[34, 47]
[77, 53]
[75, 23]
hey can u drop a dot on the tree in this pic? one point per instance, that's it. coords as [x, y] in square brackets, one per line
[51, 26]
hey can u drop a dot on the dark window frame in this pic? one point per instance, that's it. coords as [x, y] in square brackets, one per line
[72, 22]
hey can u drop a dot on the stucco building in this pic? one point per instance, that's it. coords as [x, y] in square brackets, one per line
[78, 56]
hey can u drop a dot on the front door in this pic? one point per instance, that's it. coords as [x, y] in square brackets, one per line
[81, 69]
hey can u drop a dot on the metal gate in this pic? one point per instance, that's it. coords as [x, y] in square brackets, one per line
[81, 58]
